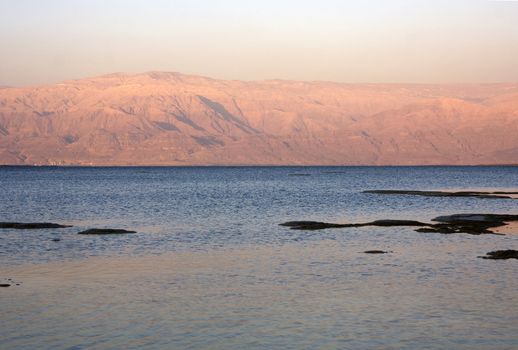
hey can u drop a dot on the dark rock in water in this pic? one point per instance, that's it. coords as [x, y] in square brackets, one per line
[8, 282]
[436, 229]
[473, 228]
[310, 225]
[104, 231]
[375, 252]
[477, 194]
[317, 225]
[394, 223]
[31, 225]
[475, 224]
[469, 218]
[501, 254]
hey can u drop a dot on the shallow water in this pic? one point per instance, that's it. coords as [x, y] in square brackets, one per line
[210, 267]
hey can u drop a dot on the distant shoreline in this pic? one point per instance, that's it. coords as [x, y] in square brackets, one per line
[257, 166]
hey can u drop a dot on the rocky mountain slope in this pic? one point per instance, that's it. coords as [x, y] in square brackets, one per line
[161, 118]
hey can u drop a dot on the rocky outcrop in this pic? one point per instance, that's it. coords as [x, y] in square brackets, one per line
[31, 225]
[316, 225]
[476, 194]
[474, 224]
[104, 231]
[469, 223]
[501, 255]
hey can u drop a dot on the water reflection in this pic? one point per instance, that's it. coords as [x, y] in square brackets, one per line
[294, 296]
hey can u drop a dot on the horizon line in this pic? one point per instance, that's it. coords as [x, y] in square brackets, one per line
[252, 165]
[130, 74]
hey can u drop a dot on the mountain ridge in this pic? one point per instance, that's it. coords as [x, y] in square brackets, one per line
[168, 118]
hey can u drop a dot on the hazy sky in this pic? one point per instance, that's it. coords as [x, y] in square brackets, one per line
[338, 40]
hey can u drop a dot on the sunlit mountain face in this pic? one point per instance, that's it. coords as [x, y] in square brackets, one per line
[160, 118]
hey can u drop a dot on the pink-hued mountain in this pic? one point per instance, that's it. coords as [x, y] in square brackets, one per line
[173, 119]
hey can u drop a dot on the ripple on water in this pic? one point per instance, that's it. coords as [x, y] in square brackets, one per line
[211, 268]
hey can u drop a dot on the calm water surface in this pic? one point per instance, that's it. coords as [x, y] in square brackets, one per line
[210, 267]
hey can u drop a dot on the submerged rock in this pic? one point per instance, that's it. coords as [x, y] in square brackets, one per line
[501, 254]
[31, 225]
[470, 218]
[8, 282]
[437, 229]
[311, 225]
[317, 225]
[475, 224]
[477, 194]
[104, 231]
[390, 222]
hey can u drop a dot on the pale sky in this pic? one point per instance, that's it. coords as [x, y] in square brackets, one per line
[378, 41]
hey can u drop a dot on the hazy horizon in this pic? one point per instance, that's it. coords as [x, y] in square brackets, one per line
[308, 81]
[423, 42]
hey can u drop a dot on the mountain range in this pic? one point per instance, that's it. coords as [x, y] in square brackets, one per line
[161, 118]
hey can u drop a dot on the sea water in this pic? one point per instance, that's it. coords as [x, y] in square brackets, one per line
[210, 267]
